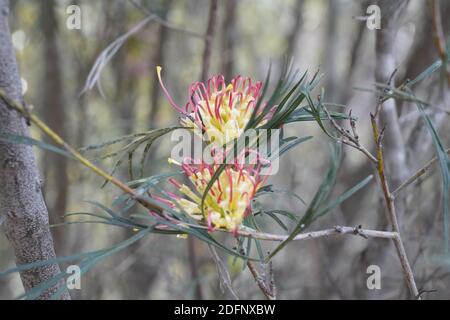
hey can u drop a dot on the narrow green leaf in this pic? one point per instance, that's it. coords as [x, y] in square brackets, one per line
[18, 139]
[444, 164]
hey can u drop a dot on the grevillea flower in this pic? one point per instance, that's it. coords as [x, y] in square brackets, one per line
[217, 110]
[227, 202]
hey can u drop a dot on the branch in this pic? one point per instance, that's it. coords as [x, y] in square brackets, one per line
[86, 162]
[350, 138]
[337, 230]
[224, 275]
[267, 289]
[417, 175]
[389, 199]
[395, 146]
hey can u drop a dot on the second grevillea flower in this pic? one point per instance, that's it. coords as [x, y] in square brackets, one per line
[227, 202]
[217, 110]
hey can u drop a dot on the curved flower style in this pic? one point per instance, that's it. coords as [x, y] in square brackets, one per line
[228, 201]
[219, 111]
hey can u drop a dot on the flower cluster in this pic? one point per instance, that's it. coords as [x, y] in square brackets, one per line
[221, 113]
[227, 202]
[217, 110]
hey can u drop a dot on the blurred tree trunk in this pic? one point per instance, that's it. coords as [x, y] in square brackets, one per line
[424, 54]
[141, 273]
[82, 115]
[334, 251]
[192, 243]
[209, 39]
[21, 203]
[125, 82]
[386, 64]
[125, 94]
[55, 166]
[81, 72]
[292, 37]
[228, 38]
[355, 52]
[377, 252]
[158, 60]
[325, 278]
[331, 48]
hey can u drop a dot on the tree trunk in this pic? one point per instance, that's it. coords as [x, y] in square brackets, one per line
[229, 35]
[394, 149]
[394, 144]
[331, 47]
[209, 39]
[55, 166]
[21, 203]
[158, 60]
[292, 37]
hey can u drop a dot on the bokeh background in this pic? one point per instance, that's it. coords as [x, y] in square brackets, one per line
[249, 34]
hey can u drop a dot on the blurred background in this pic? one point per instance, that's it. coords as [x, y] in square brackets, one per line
[247, 35]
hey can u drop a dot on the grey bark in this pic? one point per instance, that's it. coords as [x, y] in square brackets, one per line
[22, 209]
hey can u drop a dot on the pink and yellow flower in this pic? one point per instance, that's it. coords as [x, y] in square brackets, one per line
[217, 110]
[227, 202]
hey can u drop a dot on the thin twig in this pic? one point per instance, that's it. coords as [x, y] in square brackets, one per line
[86, 162]
[260, 282]
[350, 138]
[224, 275]
[408, 274]
[338, 230]
[385, 63]
[194, 268]
[417, 175]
